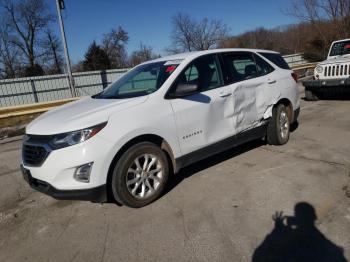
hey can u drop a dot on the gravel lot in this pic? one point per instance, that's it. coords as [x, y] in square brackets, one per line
[217, 210]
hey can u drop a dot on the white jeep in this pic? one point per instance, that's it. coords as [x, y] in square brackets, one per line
[331, 76]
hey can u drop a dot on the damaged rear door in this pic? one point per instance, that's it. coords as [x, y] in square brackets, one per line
[251, 88]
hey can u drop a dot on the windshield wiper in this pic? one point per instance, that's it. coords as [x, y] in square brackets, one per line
[111, 97]
[121, 96]
[98, 95]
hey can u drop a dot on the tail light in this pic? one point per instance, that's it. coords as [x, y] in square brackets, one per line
[295, 77]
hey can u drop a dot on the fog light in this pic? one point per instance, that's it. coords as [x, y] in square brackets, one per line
[82, 173]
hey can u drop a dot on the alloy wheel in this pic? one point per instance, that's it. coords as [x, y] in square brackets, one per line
[144, 176]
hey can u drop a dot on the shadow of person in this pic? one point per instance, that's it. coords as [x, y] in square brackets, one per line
[297, 239]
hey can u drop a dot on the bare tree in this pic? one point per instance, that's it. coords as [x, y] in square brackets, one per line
[145, 53]
[182, 34]
[113, 44]
[336, 11]
[26, 19]
[53, 52]
[9, 55]
[208, 33]
[330, 18]
[191, 35]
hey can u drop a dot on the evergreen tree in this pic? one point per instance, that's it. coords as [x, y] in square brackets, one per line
[96, 59]
[35, 70]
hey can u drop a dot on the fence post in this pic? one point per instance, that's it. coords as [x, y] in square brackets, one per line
[34, 91]
[104, 79]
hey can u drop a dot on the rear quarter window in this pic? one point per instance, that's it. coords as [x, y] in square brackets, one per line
[277, 59]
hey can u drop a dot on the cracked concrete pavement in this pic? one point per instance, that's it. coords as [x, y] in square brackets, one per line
[217, 210]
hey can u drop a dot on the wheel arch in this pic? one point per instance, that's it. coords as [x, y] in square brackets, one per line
[158, 140]
[289, 106]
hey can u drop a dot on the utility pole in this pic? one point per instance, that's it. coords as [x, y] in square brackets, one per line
[60, 5]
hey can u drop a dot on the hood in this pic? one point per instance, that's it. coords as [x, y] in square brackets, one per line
[336, 59]
[80, 114]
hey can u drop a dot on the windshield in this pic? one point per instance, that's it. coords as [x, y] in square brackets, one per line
[340, 48]
[142, 80]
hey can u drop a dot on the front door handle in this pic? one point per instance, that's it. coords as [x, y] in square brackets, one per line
[224, 94]
[271, 81]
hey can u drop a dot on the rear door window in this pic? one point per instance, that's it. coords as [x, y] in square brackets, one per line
[263, 67]
[240, 66]
[276, 58]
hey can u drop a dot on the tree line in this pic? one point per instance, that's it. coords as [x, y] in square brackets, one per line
[321, 23]
[28, 47]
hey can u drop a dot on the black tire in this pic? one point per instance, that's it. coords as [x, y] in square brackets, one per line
[120, 189]
[274, 135]
[310, 96]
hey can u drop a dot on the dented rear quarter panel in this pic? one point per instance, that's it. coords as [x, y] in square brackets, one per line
[255, 98]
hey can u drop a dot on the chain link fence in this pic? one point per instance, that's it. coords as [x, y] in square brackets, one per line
[21, 91]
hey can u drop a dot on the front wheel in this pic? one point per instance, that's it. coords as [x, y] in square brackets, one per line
[278, 128]
[140, 175]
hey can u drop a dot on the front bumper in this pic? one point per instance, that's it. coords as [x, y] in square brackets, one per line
[319, 85]
[96, 194]
[55, 175]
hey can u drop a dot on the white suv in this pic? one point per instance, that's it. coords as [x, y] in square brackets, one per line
[159, 117]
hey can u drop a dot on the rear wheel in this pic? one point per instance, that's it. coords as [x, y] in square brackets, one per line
[310, 96]
[140, 175]
[278, 128]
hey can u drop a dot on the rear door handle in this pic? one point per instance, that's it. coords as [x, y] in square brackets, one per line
[271, 81]
[224, 94]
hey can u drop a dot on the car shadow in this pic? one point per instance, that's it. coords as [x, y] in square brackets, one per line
[332, 96]
[206, 163]
[216, 159]
[296, 238]
[195, 168]
[294, 126]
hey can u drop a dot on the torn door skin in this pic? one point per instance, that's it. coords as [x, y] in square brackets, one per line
[252, 105]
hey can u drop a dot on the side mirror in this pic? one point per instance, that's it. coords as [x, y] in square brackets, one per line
[184, 89]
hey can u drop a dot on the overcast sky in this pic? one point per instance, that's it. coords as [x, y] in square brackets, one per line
[149, 21]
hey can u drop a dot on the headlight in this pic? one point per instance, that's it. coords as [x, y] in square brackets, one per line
[319, 69]
[75, 137]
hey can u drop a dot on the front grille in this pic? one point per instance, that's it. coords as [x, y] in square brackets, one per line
[34, 155]
[337, 70]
